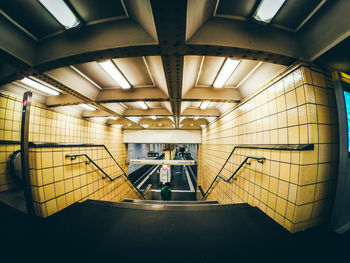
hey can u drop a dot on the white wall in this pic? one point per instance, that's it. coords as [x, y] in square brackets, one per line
[162, 136]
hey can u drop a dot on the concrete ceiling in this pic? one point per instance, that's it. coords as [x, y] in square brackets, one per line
[169, 51]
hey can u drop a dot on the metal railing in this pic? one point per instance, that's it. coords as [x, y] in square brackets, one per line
[234, 174]
[74, 156]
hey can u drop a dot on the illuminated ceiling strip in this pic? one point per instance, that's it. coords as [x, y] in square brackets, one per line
[142, 104]
[249, 74]
[225, 72]
[39, 86]
[199, 71]
[110, 68]
[267, 10]
[87, 107]
[63, 14]
[86, 77]
[204, 105]
[148, 70]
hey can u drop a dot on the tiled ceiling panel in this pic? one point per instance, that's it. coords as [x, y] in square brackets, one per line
[94, 71]
[235, 8]
[293, 13]
[210, 69]
[135, 70]
[91, 10]
[32, 16]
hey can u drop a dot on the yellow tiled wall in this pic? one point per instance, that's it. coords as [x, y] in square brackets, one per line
[10, 125]
[295, 188]
[48, 176]
[58, 182]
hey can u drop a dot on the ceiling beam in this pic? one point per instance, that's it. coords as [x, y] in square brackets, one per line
[327, 29]
[63, 100]
[148, 112]
[200, 112]
[77, 95]
[96, 113]
[254, 36]
[213, 94]
[133, 94]
[170, 21]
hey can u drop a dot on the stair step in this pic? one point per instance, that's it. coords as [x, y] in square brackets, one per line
[165, 206]
[169, 202]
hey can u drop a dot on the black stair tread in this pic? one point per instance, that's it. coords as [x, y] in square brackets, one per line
[168, 202]
[165, 206]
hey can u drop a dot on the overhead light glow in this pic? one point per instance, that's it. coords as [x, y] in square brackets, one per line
[112, 118]
[129, 124]
[204, 105]
[160, 124]
[60, 10]
[267, 10]
[154, 117]
[142, 104]
[195, 117]
[115, 74]
[145, 125]
[87, 107]
[40, 87]
[227, 69]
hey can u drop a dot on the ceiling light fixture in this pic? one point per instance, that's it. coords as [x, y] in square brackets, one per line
[225, 72]
[267, 10]
[195, 117]
[142, 104]
[112, 118]
[63, 14]
[129, 124]
[154, 117]
[109, 67]
[39, 87]
[204, 105]
[87, 107]
[249, 74]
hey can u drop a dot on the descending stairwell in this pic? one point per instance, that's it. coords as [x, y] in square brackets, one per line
[157, 231]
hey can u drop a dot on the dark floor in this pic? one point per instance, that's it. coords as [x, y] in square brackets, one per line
[99, 233]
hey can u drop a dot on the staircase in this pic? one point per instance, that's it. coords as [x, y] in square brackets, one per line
[155, 231]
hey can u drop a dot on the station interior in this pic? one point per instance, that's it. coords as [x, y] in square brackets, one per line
[177, 130]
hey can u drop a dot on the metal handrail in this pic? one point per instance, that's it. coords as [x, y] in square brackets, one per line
[233, 176]
[74, 156]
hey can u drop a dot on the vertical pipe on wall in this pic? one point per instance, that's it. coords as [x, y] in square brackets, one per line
[27, 100]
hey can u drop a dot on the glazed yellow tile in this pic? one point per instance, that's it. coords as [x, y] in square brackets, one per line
[49, 191]
[306, 194]
[282, 136]
[293, 135]
[307, 174]
[302, 213]
[59, 188]
[281, 103]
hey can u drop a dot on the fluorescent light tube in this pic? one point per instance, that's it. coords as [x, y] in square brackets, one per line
[154, 117]
[204, 105]
[60, 10]
[40, 87]
[115, 74]
[195, 117]
[87, 107]
[112, 118]
[142, 105]
[227, 69]
[267, 10]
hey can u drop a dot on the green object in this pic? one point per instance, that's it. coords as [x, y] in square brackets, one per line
[166, 193]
